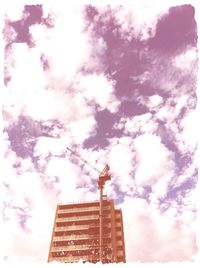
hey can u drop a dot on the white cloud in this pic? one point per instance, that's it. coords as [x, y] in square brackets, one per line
[157, 237]
[13, 14]
[82, 129]
[144, 123]
[173, 75]
[187, 60]
[66, 171]
[120, 159]
[20, 57]
[25, 198]
[155, 101]
[65, 55]
[185, 132]
[27, 192]
[49, 145]
[24, 83]
[98, 88]
[180, 117]
[166, 114]
[28, 92]
[68, 178]
[133, 24]
[190, 133]
[154, 163]
[98, 50]
[139, 124]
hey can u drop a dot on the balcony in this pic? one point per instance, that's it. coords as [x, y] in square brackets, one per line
[76, 259]
[77, 247]
[78, 209]
[78, 237]
[71, 247]
[73, 237]
[120, 253]
[119, 243]
[72, 227]
[81, 227]
[68, 219]
[119, 233]
[89, 223]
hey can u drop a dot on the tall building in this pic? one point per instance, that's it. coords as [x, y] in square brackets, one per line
[76, 233]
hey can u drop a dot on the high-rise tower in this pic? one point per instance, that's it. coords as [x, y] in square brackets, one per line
[76, 233]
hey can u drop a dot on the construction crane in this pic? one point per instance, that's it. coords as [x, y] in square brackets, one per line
[103, 177]
[85, 161]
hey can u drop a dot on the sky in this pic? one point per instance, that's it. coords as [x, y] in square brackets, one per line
[117, 83]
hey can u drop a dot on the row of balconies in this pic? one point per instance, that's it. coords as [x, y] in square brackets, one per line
[78, 227]
[89, 223]
[85, 219]
[73, 227]
[76, 237]
[77, 253]
[80, 252]
[78, 209]
[82, 213]
[87, 231]
[82, 239]
[91, 217]
[83, 258]
[88, 217]
[89, 241]
[84, 204]
[65, 226]
[76, 247]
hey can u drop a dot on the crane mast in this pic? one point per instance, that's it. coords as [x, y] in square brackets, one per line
[103, 177]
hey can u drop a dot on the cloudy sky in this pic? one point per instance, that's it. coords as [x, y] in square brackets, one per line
[117, 84]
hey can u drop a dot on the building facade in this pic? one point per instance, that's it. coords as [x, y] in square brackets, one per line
[75, 235]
